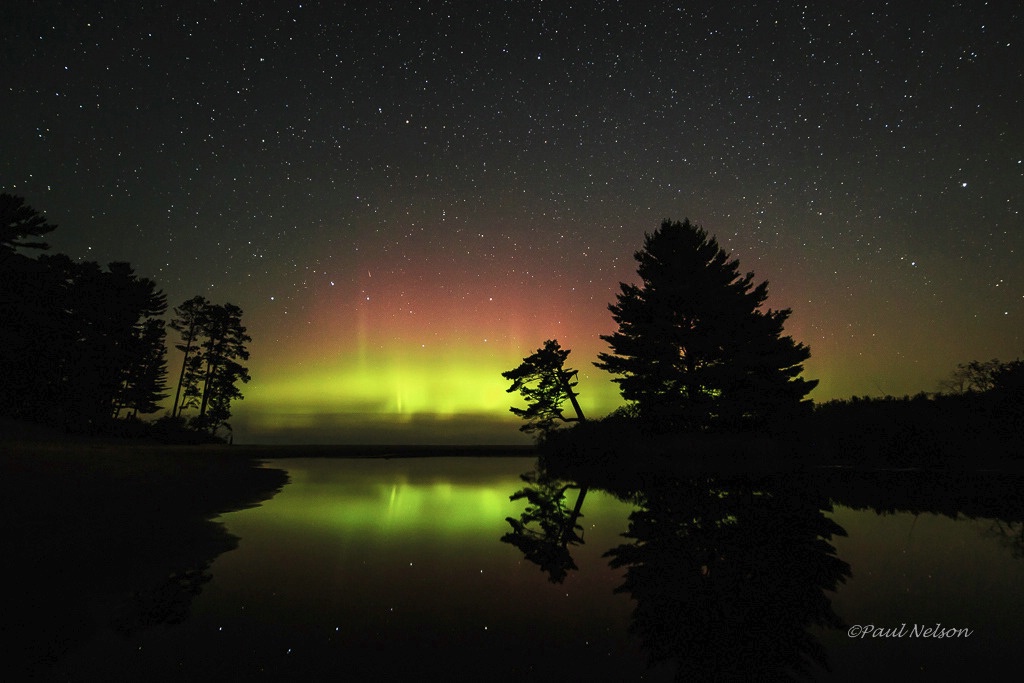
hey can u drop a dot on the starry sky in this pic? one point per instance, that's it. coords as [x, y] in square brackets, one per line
[407, 200]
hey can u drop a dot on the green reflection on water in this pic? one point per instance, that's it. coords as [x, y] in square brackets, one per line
[405, 554]
[405, 497]
[369, 566]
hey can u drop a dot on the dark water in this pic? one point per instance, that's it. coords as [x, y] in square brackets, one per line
[396, 570]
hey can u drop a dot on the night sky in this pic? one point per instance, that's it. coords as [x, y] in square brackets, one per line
[407, 201]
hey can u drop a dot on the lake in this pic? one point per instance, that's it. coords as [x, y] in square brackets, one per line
[402, 568]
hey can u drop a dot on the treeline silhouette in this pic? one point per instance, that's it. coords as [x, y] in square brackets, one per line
[696, 350]
[708, 373]
[82, 346]
[978, 422]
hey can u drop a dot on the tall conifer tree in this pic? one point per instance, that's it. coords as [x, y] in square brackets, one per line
[694, 349]
[188, 322]
[213, 344]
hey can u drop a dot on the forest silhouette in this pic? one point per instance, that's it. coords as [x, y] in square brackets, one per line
[84, 346]
[696, 355]
[706, 372]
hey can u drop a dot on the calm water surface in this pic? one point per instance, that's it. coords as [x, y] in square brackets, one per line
[395, 570]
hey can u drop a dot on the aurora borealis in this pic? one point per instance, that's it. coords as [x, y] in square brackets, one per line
[406, 201]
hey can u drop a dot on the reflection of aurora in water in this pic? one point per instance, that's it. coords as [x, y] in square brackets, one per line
[388, 568]
[451, 497]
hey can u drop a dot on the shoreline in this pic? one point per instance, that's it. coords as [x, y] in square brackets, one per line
[24, 438]
[102, 536]
[259, 451]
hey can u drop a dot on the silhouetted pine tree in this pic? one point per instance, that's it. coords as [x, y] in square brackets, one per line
[213, 343]
[109, 314]
[145, 377]
[694, 349]
[188, 322]
[17, 222]
[545, 384]
[223, 348]
[78, 343]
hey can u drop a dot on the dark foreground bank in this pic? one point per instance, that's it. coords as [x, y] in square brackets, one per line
[100, 534]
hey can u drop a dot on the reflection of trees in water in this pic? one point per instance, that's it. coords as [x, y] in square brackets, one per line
[728, 577]
[169, 602]
[546, 528]
[990, 498]
[1007, 534]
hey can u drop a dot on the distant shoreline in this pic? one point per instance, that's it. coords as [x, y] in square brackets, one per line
[265, 451]
[23, 437]
[257, 452]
